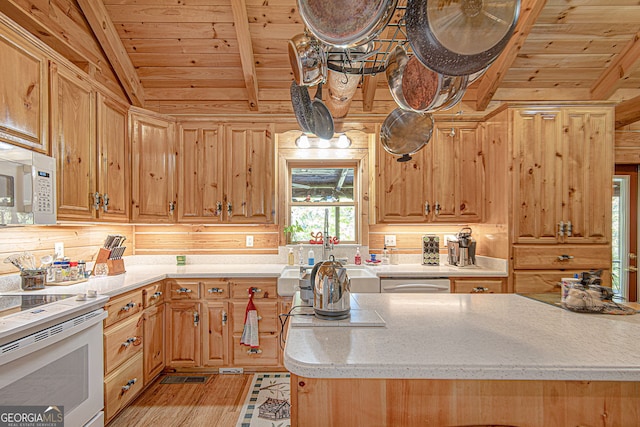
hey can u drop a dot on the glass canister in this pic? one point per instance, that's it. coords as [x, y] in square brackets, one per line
[32, 280]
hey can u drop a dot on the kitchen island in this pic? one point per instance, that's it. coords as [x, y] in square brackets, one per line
[450, 359]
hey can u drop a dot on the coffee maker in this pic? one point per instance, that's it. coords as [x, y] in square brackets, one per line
[461, 251]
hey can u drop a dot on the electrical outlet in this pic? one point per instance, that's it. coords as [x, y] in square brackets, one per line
[390, 239]
[58, 249]
[249, 241]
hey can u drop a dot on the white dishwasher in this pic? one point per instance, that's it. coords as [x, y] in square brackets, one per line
[416, 285]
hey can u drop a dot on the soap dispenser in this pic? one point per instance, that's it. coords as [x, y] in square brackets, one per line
[290, 257]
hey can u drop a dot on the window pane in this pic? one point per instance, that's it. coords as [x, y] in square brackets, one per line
[312, 220]
[322, 184]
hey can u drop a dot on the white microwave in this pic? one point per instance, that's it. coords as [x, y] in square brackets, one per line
[27, 186]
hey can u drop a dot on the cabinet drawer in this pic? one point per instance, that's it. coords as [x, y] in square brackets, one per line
[122, 385]
[153, 294]
[123, 307]
[215, 289]
[561, 257]
[541, 281]
[183, 289]
[264, 288]
[486, 286]
[267, 316]
[121, 341]
[265, 355]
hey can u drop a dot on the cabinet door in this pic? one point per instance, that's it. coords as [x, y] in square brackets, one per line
[24, 90]
[249, 178]
[200, 173]
[153, 153]
[457, 174]
[73, 143]
[153, 340]
[401, 187]
[588, 174]
[183, 334]
[113, 160]
[537, 175]
[215, 337]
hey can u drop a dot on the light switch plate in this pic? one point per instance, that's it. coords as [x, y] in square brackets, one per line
[249, 242]
[390, 240]
[58, 249]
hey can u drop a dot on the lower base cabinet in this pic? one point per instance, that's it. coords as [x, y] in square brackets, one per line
[153, 318]
[543, 281]
[215, 334]
[183, 334]
[121, 386]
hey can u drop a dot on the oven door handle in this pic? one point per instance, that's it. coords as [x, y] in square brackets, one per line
[418, 287]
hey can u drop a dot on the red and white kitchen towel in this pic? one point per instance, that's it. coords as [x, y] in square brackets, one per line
[250, 331]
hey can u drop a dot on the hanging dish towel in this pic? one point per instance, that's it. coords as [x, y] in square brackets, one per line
[250, 331]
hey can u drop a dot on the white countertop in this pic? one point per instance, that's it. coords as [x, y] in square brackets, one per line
[466, 336]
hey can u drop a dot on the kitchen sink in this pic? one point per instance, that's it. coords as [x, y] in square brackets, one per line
[363, 280]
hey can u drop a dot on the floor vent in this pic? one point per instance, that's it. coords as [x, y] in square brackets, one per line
[181, 379]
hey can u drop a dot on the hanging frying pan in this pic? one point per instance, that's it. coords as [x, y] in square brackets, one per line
[322, 119]
[460, 37]
[346, 23]
[302, 107]
[405, 132]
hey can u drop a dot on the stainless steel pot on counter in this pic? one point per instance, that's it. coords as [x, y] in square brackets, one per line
[331, 296]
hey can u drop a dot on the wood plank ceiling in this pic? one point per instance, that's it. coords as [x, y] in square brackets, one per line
[230, 56]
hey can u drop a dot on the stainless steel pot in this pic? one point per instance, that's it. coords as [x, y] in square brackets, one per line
[346, 23]
[331, 296]
[404, 132]
[460, 37]
[308, 60]
[417, 88]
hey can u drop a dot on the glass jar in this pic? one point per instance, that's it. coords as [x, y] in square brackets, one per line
[73, 270]
[82, 269]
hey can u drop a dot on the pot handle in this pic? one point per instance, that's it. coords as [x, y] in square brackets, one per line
[312, 279]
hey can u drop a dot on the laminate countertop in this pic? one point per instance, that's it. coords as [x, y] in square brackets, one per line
[468, 336]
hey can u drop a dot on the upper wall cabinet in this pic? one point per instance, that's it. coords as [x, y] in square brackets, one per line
[90, 144]
[226, 173]
[444, 182]
[563, 170]
[153, 151]
[24, 90]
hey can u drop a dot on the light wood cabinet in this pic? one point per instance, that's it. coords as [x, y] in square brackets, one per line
[216, 334]
[563, 170]
[483, 285]
[226, 173]
[543, 281]
[184, 330]
[122, 386]
[24, 90]
[153, 318]
[90, 144]
[444, 182]
[153, 152]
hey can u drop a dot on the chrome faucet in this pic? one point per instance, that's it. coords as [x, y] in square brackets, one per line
[327, 243]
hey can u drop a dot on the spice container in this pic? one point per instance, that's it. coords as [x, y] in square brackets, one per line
[32, 280]
[82, 269]
[73, 270]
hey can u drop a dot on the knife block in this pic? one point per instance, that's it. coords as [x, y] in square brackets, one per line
[116, 266]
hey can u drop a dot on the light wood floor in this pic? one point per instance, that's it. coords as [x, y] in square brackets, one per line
[216, 403]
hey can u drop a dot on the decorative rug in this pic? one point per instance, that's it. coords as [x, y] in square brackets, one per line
[268, 403]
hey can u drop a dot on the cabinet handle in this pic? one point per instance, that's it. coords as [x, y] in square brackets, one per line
[183, 290]
[128, 385]
[196, 318]
[437, 208]
[96, 201]
[218, 208]
[561, 229]
[229, 209]
[254, 351]
[479, 290]
[172, 207]
[224, 317]
[132, 340]
[632, 269]
[128, 307]
[254, 290]
[427, 208]
[215, 291]
[564, 257]
[105, 202]
[156, 295]
[569, 228]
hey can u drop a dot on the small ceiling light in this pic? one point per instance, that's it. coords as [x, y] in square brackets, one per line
[324, 143]
[303, 141]
[343, 141]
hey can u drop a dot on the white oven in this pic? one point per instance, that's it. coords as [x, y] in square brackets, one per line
[61, 365]
[419, 285]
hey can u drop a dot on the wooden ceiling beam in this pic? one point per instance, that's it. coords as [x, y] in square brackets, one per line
[369, 86]
[241, 19]
[627, 112]
[621, 68]
[98, 18]
[490, 81]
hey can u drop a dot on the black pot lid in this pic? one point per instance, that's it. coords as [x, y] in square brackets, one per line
[460, 37]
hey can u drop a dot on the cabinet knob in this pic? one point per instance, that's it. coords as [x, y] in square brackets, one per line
[128, 385]
[224, 317]
[172, 207]
[128, 307]
[156, 295]
[105, 202]
[196, 318]
[437, 208]
[132, 340]
[254, 351]
[569, 229]
[183, 290]
[479, 290]
[96, 201]
[229, 209]
[218, 208]
[254, 290]
[564, 257]
[427, 208]
[561, 229]
[215, 291]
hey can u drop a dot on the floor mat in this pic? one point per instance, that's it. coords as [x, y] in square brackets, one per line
[268, 403]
